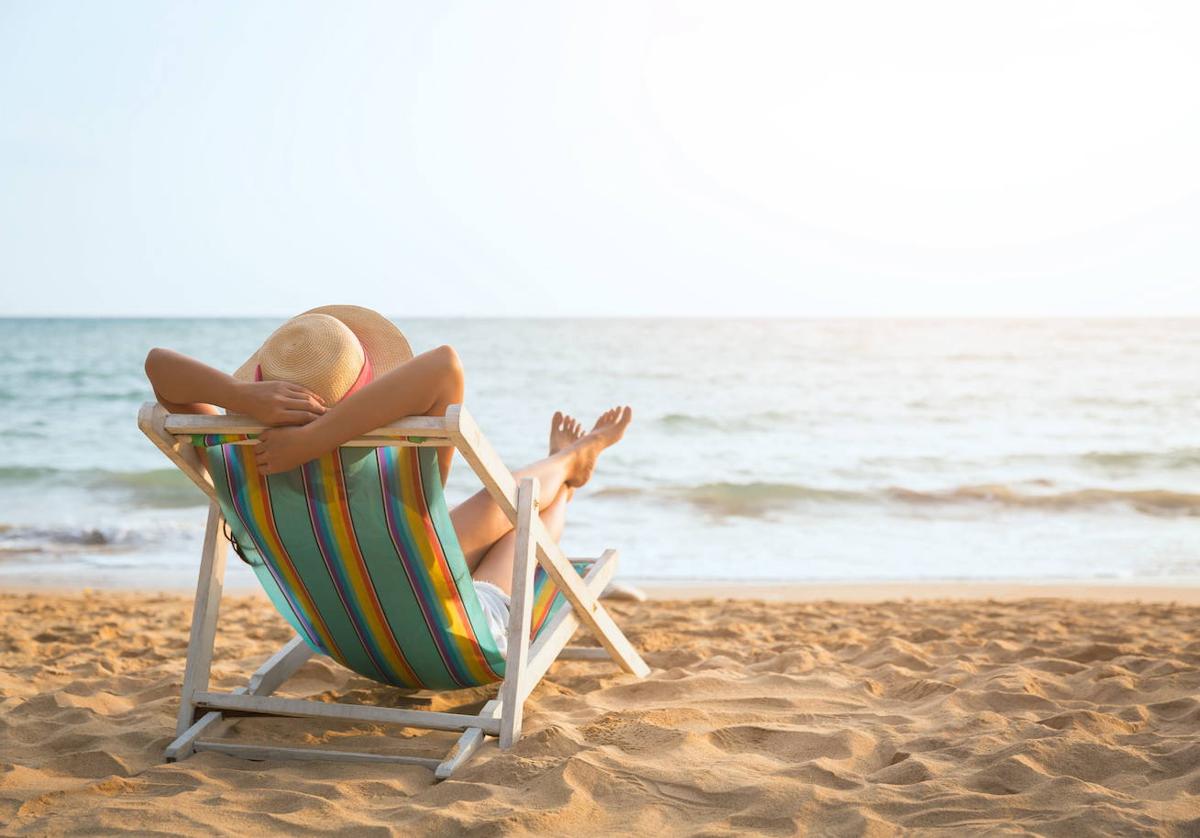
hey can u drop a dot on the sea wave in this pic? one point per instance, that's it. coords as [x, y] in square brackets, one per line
[757, 498]
[1119, 462]
[158, 488]
[1170, 460]
[1147, 501]
[23, 540]
[765, 420]
[754, 499]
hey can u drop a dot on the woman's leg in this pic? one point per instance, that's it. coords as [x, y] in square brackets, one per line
[497, 563]
[480, 523]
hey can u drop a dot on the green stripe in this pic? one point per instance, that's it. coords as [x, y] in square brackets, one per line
[290, 506]
[385, 565]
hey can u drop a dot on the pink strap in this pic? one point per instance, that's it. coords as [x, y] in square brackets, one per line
[365, 375]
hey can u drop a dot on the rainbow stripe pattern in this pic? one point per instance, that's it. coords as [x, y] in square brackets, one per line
[357, 551]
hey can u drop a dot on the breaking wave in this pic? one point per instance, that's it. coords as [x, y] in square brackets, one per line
[766, 420]
[16, 541]
[159, 488]
[753, 499]
[1179, 458]
[1147, 501]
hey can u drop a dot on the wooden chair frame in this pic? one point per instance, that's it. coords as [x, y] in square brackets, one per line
[205, 713]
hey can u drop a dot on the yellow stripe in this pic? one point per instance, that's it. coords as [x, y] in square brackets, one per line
[541, 606]
[366, 604]
[461, 632]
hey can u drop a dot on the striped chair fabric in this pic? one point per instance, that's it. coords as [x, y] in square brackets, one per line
[357, 551]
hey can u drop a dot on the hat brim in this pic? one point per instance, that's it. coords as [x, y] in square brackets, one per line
[383, 343]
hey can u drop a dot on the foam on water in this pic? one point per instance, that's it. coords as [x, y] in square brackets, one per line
[757, 499]
[770, 449]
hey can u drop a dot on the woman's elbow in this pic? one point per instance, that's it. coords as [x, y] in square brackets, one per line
[451, 365]
[153, 361]
[448, 358]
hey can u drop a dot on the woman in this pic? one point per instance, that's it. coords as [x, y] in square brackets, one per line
[336, 372]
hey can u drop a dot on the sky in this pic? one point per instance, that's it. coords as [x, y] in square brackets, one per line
[916, 159]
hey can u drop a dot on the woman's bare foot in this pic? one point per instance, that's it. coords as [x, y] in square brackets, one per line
[608, 430]
[564, 430]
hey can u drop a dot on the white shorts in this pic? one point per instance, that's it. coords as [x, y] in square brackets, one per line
[495, 605]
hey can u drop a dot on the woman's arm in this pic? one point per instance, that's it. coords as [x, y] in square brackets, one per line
[185, 385]
[424, 386]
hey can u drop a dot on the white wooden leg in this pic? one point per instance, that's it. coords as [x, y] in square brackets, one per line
[520, 614]
[279, 667]
[204, 618]
[584, 653]
[467, 745]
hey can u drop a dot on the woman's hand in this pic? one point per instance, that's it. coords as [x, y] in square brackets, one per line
[282, 449]
[278, 402]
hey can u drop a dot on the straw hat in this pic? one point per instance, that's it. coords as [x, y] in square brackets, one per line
[331, 350]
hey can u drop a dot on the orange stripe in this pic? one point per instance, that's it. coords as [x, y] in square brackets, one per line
[541, 606]
[365, 599]
[458, 624]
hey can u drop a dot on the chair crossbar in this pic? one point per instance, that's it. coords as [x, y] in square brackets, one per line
[583, 653]
[252, 705]
[187, 424]
[470, 742]
[263, 752]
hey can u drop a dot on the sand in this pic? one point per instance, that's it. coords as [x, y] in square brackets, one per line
[1051, 716]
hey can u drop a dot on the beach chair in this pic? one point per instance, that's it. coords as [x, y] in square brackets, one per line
[357, 552]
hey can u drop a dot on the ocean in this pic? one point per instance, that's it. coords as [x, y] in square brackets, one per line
[760, 450]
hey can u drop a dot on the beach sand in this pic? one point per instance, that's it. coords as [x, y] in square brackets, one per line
[1045, 715]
